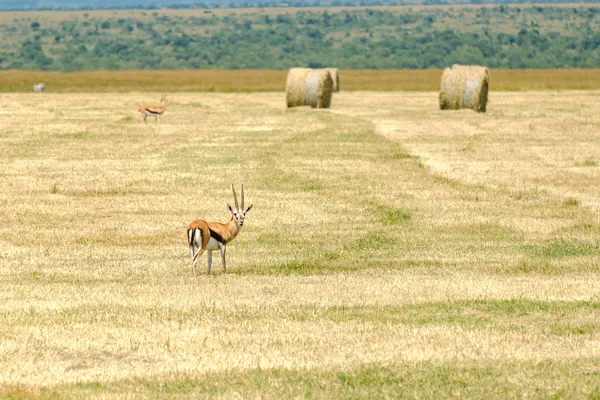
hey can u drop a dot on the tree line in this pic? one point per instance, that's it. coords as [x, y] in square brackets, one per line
[66, 5]
[499, 37]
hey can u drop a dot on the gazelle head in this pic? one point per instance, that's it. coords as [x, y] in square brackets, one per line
[238, 213]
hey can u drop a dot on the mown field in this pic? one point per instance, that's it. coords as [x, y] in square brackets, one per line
[394, 250]
[202, 80]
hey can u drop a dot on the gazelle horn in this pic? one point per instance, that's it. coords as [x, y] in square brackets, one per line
[235, 197]
[242, 196]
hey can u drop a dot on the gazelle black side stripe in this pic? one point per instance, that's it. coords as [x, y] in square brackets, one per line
[216, 236]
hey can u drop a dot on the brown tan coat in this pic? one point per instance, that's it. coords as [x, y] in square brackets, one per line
[204, 235]
[157, 111]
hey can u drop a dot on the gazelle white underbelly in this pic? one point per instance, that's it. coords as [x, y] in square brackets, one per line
[212, 244]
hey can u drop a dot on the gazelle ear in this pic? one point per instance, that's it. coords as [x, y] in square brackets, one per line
[229, 207]
[248, 209]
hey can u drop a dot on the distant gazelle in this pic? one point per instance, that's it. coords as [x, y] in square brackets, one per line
[215, 235]
[157, 111]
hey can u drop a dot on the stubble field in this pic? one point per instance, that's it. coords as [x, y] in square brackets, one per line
[394, 250]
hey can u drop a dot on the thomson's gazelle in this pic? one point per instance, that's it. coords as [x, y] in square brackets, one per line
[215, 235]
[157, 111]
[39, 87]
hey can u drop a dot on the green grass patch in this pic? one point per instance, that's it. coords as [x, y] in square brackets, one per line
[280, 180]
[538, 379]
[536, 266]
[331, 263]
[563, 248]
[76, 136]
[401, 156]
[373, 241]
[587, 328]
[570, 202]
[388, 215]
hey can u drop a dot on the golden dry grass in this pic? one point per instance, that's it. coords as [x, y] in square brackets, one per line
[274, 80]
[393, 249]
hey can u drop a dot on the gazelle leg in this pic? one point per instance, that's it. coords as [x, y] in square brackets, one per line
[209, 261]
[222, 251]
[158, 118]
[145, 116]
[193, 261]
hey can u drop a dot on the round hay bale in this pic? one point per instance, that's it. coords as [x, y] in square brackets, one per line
[294, 87]
[309, 87]
[318, 87]
[464, 86]
[335, 75]
[449, 89]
